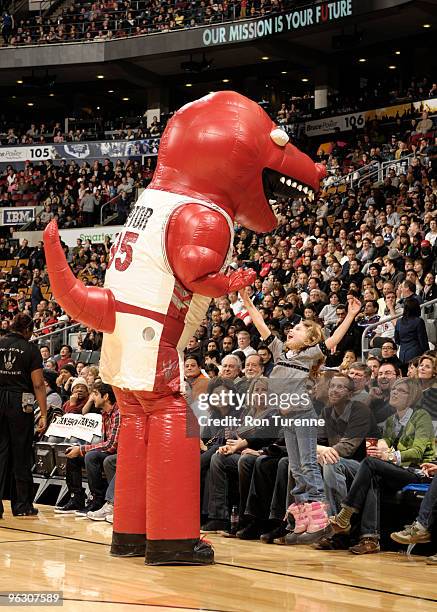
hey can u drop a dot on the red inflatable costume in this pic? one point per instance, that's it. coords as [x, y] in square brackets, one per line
[220, 160]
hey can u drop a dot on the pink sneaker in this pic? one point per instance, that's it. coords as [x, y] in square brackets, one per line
[299, 513]
[318, 523]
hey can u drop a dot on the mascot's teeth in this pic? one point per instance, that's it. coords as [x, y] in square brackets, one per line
[282, 179]
[299, 187]
[294, 185]
[289, 183]
[305, 189]
[311, 196]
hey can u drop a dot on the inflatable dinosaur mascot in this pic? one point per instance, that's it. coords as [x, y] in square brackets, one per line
[221, 159]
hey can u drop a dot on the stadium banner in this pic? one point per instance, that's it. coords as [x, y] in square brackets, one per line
[115, 149]
[84, 427]
[323, 13]
[17, 216]
[95, 234]
[358, 120]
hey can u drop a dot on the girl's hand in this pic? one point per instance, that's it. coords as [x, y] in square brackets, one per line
[354, 305]
[245, 297]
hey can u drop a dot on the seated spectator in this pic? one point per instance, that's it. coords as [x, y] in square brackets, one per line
[408, 441]
[54, 403]
[266, 358]
[64, 356]
[341, 442]
[197, 382]
[214, 434]
[106, 512]
[388, 353]
[253, 368]
[380, 393]
[243, 343]
[78, 398]
[425, 125]
[91, 342]
[427, 375]
[238, 455]
[328, 314]
[67, 375]
[348, 359]
[360, 373]
[419, 532]
[92, 457]
[231, 368]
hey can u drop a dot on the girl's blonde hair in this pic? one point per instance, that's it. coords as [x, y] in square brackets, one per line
[314, 336]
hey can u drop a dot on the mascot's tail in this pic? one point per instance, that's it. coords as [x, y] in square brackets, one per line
[92, 306]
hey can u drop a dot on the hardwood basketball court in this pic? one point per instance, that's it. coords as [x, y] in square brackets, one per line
[70, 554]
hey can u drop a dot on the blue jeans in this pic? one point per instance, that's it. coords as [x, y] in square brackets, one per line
[301, 443]
[364, 494]
[109, 464]
[428, 505]
[338, 478]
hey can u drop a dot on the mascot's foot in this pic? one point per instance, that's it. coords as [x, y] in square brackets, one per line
[179, 552]
[128, 544]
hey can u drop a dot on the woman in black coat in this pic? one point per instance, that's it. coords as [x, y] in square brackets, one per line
[429, 291]
[410, 333]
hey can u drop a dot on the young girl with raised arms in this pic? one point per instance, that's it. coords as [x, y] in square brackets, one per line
[295, 361]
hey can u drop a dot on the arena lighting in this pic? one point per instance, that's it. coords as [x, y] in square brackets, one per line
[284, 72]
[426, 25]
[392, 67]
[304, 80]
[30, 104]
[188, 84]
[265, 58]
[397, 52]
[51, 95]
[100, 76]
[125, 99]
[110, 91]
[225, 80]
[362, 60]
[19, 82]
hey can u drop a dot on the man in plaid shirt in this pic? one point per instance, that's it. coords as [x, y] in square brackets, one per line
[92, 457]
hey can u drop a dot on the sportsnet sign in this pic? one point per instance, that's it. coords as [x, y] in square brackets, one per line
[323, 13]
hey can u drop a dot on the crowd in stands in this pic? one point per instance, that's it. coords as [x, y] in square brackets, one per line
[33, 134]
[86, 21]
[371, 237]
[74, 194]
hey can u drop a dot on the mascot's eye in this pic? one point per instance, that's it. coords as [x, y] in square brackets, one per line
[279, 137]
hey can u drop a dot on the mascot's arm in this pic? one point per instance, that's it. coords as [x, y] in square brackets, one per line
[197, 243]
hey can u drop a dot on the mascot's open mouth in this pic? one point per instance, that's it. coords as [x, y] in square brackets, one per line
[277, 185]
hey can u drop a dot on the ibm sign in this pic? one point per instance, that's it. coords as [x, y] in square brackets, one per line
[17, 216]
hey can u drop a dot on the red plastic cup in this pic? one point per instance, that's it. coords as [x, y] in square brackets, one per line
[370, 442]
